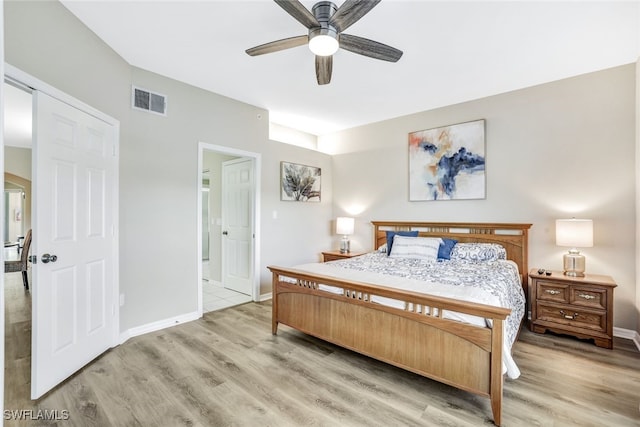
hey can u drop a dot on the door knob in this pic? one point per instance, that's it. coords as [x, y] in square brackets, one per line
[48, 258]
[224, 233]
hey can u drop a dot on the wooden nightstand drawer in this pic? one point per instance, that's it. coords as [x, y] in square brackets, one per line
[336, 255]
[578, 306]
[550, 291]
[594, 320]
[331, 257]
[589, 297]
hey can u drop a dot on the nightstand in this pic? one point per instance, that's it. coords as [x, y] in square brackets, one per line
[334, 255]
[578, 306]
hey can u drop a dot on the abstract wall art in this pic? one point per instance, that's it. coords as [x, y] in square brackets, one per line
[448, 163]
[300, 183]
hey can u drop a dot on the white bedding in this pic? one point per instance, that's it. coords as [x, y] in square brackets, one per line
[495, 283]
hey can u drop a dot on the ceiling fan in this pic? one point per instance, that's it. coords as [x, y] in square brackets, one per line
[326, 23]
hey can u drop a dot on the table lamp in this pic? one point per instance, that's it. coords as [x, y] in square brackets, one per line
[574, 233]
[344, 226]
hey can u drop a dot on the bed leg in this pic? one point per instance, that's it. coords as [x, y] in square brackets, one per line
[274, 304]
[497, 378]
[496, 408]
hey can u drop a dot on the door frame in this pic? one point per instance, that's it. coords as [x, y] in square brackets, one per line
[20, 78]
[256, 157]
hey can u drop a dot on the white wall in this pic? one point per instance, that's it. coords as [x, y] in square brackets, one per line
[556, 150]
[158, 161]
[17, 161]
[637, 158]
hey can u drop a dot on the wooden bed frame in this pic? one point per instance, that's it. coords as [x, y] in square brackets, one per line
[417, 338]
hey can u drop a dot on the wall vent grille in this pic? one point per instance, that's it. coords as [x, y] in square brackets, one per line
[142, 99]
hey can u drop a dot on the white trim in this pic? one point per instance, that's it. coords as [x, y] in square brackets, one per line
[628, 334]
[266, 297]
[158, 325]
[257, 164]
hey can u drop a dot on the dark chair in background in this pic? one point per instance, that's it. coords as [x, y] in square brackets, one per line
[21, 264]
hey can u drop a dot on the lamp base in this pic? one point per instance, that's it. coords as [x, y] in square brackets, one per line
[345, 245]
[573, 264]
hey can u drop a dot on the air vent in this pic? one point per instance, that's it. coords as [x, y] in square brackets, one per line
[142, 99]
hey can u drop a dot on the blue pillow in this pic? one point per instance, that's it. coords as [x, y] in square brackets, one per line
[444, 251]
[390, 235]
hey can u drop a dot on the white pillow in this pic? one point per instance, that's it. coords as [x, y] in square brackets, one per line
[425, 248]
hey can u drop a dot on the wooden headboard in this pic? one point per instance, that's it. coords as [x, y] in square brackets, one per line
[514, 237]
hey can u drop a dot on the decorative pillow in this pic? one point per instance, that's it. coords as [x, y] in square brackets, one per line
[391, 234]
[425, 248]
[444, 252]
[478, 252]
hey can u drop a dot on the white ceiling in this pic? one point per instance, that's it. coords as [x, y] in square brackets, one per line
[453, 52]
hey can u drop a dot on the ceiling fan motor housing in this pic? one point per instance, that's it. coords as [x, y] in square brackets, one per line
[323, 11]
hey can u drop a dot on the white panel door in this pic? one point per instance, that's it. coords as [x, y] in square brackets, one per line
[237, 225]
[74, 279]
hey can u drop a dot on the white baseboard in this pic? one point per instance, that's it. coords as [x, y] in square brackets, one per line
[627, 334]
[265, 297]
[156, 326]
[166, 323]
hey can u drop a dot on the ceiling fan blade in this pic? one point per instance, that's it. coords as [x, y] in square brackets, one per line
[324, 67]
[350, 12]
[369, 48]
[299, 12]
[278, 45]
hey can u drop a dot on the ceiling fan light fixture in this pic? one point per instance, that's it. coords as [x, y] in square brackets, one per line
[326, 24]
[323, 41]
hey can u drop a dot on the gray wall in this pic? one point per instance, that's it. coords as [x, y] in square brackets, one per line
[158, 161]
[556, 150]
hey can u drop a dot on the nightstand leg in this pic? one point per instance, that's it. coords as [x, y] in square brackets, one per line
[604, 343]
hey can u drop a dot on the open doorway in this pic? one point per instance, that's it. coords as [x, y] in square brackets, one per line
[17, 111]
[227, 253]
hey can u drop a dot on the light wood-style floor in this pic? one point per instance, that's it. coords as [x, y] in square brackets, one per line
[228, 370]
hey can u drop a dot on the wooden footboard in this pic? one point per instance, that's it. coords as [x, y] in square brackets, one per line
[416, 338]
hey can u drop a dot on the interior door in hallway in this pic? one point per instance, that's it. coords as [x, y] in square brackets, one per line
[237, 225]
[74, 313]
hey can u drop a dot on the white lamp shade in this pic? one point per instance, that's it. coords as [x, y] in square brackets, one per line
[575, 233]
[344, 225]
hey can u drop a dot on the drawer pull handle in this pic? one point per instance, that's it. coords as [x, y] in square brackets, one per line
[568, 316]
[552, 291]
[586, 296]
